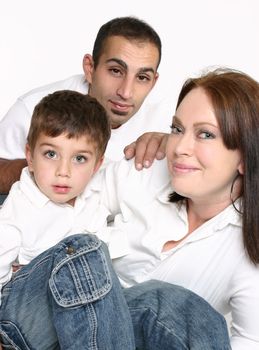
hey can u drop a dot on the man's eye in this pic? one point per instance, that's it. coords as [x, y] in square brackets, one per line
[143, 78]
[50, 154]
[80, 159]
[115, 71]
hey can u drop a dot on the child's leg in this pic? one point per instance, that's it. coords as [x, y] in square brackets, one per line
[67, 298]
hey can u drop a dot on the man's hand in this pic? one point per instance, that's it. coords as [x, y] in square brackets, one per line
[146, 148]
[10, 171]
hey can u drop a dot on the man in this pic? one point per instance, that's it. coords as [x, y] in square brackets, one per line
[120, 73]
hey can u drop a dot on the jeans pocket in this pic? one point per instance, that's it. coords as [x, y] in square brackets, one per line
[82, 276]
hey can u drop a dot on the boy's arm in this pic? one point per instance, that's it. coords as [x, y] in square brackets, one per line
[146, 149]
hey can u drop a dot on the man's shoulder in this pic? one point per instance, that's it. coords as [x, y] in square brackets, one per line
[75, 82]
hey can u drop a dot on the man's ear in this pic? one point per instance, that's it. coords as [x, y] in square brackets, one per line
[88, 67]
[155, 79]
[28, 155]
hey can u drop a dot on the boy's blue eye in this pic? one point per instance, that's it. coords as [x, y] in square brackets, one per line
[80, 159]
[50, 154]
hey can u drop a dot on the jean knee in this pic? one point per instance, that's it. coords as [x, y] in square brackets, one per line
[81, 274]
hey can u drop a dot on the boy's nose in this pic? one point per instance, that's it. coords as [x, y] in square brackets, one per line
[63, 169]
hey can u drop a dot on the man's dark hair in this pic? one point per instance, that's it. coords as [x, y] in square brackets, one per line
[130, 28]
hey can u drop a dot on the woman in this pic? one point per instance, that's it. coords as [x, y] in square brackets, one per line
[206, 236]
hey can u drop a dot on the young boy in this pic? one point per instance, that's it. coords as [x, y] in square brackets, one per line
[60, 298]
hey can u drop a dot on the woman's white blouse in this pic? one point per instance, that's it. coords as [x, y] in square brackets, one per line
[211, 261]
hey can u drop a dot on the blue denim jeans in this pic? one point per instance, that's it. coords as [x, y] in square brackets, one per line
[69, 298]
[66, 298]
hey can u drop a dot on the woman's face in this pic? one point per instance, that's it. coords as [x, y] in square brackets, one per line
[201, 167]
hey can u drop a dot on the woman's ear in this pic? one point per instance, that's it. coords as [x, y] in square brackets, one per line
[28, 154]
[240, 168]
[88, 67]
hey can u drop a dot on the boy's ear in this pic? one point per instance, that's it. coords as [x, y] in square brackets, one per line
[28, 155]
[88, 67]
[98, 164]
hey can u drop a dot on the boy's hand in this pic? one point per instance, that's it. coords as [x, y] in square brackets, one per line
[146, 148]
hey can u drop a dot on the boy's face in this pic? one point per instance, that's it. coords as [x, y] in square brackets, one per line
[124, 76]
[62, 167]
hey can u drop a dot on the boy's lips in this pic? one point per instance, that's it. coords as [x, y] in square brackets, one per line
[62, 189]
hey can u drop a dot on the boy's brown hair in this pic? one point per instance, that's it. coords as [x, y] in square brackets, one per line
[72, 113]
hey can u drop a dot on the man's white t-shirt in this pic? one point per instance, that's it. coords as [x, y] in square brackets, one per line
[152, 116]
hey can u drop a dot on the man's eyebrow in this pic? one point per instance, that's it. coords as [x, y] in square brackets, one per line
[118, 61]
[125, 66]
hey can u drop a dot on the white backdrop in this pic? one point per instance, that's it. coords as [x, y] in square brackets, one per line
[44, 40]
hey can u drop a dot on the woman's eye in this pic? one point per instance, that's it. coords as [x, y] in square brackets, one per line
[50, 154]
[206, 135]
[175, 129]
[80, 159]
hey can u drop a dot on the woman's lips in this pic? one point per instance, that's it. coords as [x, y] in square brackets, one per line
[183, 168]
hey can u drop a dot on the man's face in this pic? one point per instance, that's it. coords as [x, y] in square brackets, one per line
[125, 74]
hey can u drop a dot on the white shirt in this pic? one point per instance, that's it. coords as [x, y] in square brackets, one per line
[152, 116]
[30, 223]
[211, 261]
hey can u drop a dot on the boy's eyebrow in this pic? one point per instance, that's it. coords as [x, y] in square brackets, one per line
[85, 151]
[47, 144]
[125, 66]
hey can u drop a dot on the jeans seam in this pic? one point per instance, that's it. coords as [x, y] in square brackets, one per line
[94, 323]
[9, 339]
[161, 324]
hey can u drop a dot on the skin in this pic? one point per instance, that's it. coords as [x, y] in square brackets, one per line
[62, 166]
[202, 169]
[124, 76]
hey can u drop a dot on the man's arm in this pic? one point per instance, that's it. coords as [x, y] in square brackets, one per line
[146, 148]
[10, 171]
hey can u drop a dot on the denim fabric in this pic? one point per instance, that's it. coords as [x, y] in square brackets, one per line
[66, 298]
[69, 298]
[169, 317]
